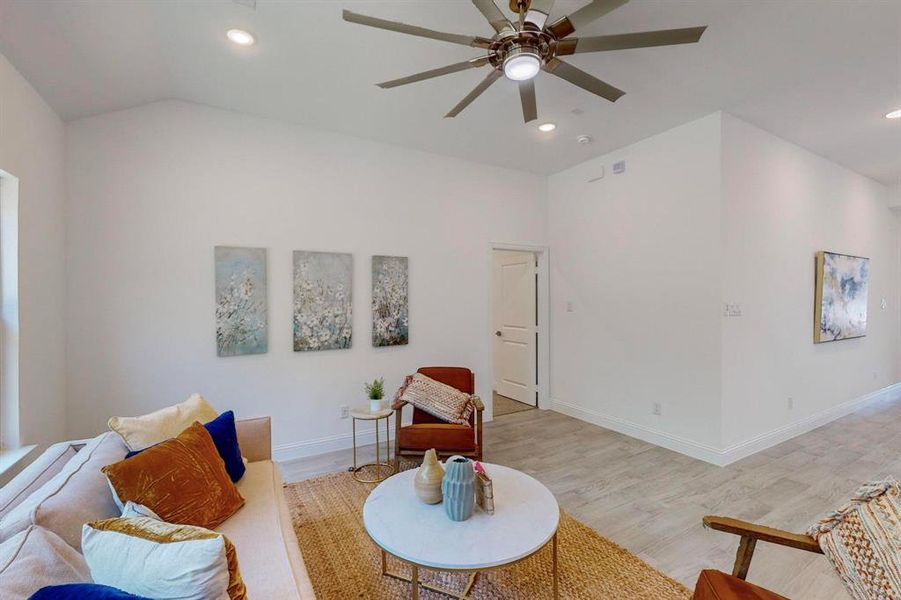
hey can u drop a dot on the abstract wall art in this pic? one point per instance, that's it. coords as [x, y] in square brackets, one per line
[390, 311]
[842, 283]
[241, 302]
[323, 301]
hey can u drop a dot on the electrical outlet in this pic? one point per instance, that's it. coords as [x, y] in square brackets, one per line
[657, 409]
[345, 412]
[790, 403]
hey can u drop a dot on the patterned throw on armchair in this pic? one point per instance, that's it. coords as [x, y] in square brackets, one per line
[862, 540]
[428, 431]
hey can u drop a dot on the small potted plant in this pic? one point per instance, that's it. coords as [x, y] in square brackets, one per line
[375, 391]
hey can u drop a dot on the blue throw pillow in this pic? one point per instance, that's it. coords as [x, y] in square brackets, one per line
[225, 436]
[82, 591]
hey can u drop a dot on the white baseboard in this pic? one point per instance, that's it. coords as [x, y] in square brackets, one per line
[753, 445]
[329, 443]
[734, 452]
[648, 434]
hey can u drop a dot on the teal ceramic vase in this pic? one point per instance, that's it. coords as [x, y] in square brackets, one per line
[458, 488]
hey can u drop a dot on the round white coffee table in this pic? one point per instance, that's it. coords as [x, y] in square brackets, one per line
[525, 520]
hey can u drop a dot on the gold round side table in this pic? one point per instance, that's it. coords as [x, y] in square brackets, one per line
[383, 469]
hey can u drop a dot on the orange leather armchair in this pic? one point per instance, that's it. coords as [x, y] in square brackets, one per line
[428, 432]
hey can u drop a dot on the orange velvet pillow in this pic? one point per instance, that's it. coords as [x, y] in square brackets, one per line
[183, 480]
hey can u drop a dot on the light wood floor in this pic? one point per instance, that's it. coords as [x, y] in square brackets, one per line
[507, 406]
[651, 500]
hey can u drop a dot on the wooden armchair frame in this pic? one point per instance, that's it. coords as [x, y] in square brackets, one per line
[750, 533]
[474, 454]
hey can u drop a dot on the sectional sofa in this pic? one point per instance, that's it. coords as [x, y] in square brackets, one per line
[64, 488]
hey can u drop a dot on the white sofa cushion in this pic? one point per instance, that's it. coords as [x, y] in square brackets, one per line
[270, 559]
[76, 495]
[48, 464]
[142, 432]
[35, 558]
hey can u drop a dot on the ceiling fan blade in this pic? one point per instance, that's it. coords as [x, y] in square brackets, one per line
[493, 76]
[538, 12]
[494, 15]
[527, 96]
[644, 39]
[454, 38]
[454, 68]
[582, 79]
[582, 17]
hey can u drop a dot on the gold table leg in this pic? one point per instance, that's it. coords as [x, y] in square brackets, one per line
[415, 584]
[554, 552]
[388, 443]
[413, 578]
[383, 469]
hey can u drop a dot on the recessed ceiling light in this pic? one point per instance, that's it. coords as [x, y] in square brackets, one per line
[545, 127]
[895, 114]
[240, 37]
[584, 139]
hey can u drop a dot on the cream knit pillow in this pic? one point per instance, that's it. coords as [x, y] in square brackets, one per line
[438, 399]
[142, 432]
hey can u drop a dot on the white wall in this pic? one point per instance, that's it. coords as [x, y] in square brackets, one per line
[895, 196]
[637, 255]
[154, 189]
[714, 212]
[31, 149]
[782, 204]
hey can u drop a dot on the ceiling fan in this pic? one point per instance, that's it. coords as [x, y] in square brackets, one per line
[520, 50]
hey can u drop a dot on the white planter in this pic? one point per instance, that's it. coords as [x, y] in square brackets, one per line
[376, 405]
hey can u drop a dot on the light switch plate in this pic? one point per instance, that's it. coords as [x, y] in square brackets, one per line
[732, 309]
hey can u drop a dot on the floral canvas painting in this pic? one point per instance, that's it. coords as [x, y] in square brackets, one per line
[842, 283]
[390, 311]
[241, 303]
[323, 307]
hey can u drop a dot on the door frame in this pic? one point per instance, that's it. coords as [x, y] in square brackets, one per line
[543, 347]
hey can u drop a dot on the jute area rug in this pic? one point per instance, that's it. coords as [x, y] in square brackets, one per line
[343, 562]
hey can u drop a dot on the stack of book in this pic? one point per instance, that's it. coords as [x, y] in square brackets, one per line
[484, 489]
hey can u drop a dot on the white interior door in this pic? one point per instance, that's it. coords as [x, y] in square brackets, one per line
[514, 325]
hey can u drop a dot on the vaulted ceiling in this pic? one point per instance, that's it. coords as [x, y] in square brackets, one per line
[819, 73]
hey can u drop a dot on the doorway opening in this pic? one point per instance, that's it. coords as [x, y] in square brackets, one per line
[519, 337]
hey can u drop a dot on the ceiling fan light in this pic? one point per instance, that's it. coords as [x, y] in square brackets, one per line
[895, 114]
[522, 66]
[240, 37]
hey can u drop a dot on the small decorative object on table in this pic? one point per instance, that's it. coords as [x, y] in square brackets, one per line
[458, 488]
[484, 489]
[428, 479]
[376, 392]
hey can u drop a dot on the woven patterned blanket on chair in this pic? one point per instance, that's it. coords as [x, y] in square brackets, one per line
[863, 541]
[438, 399]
